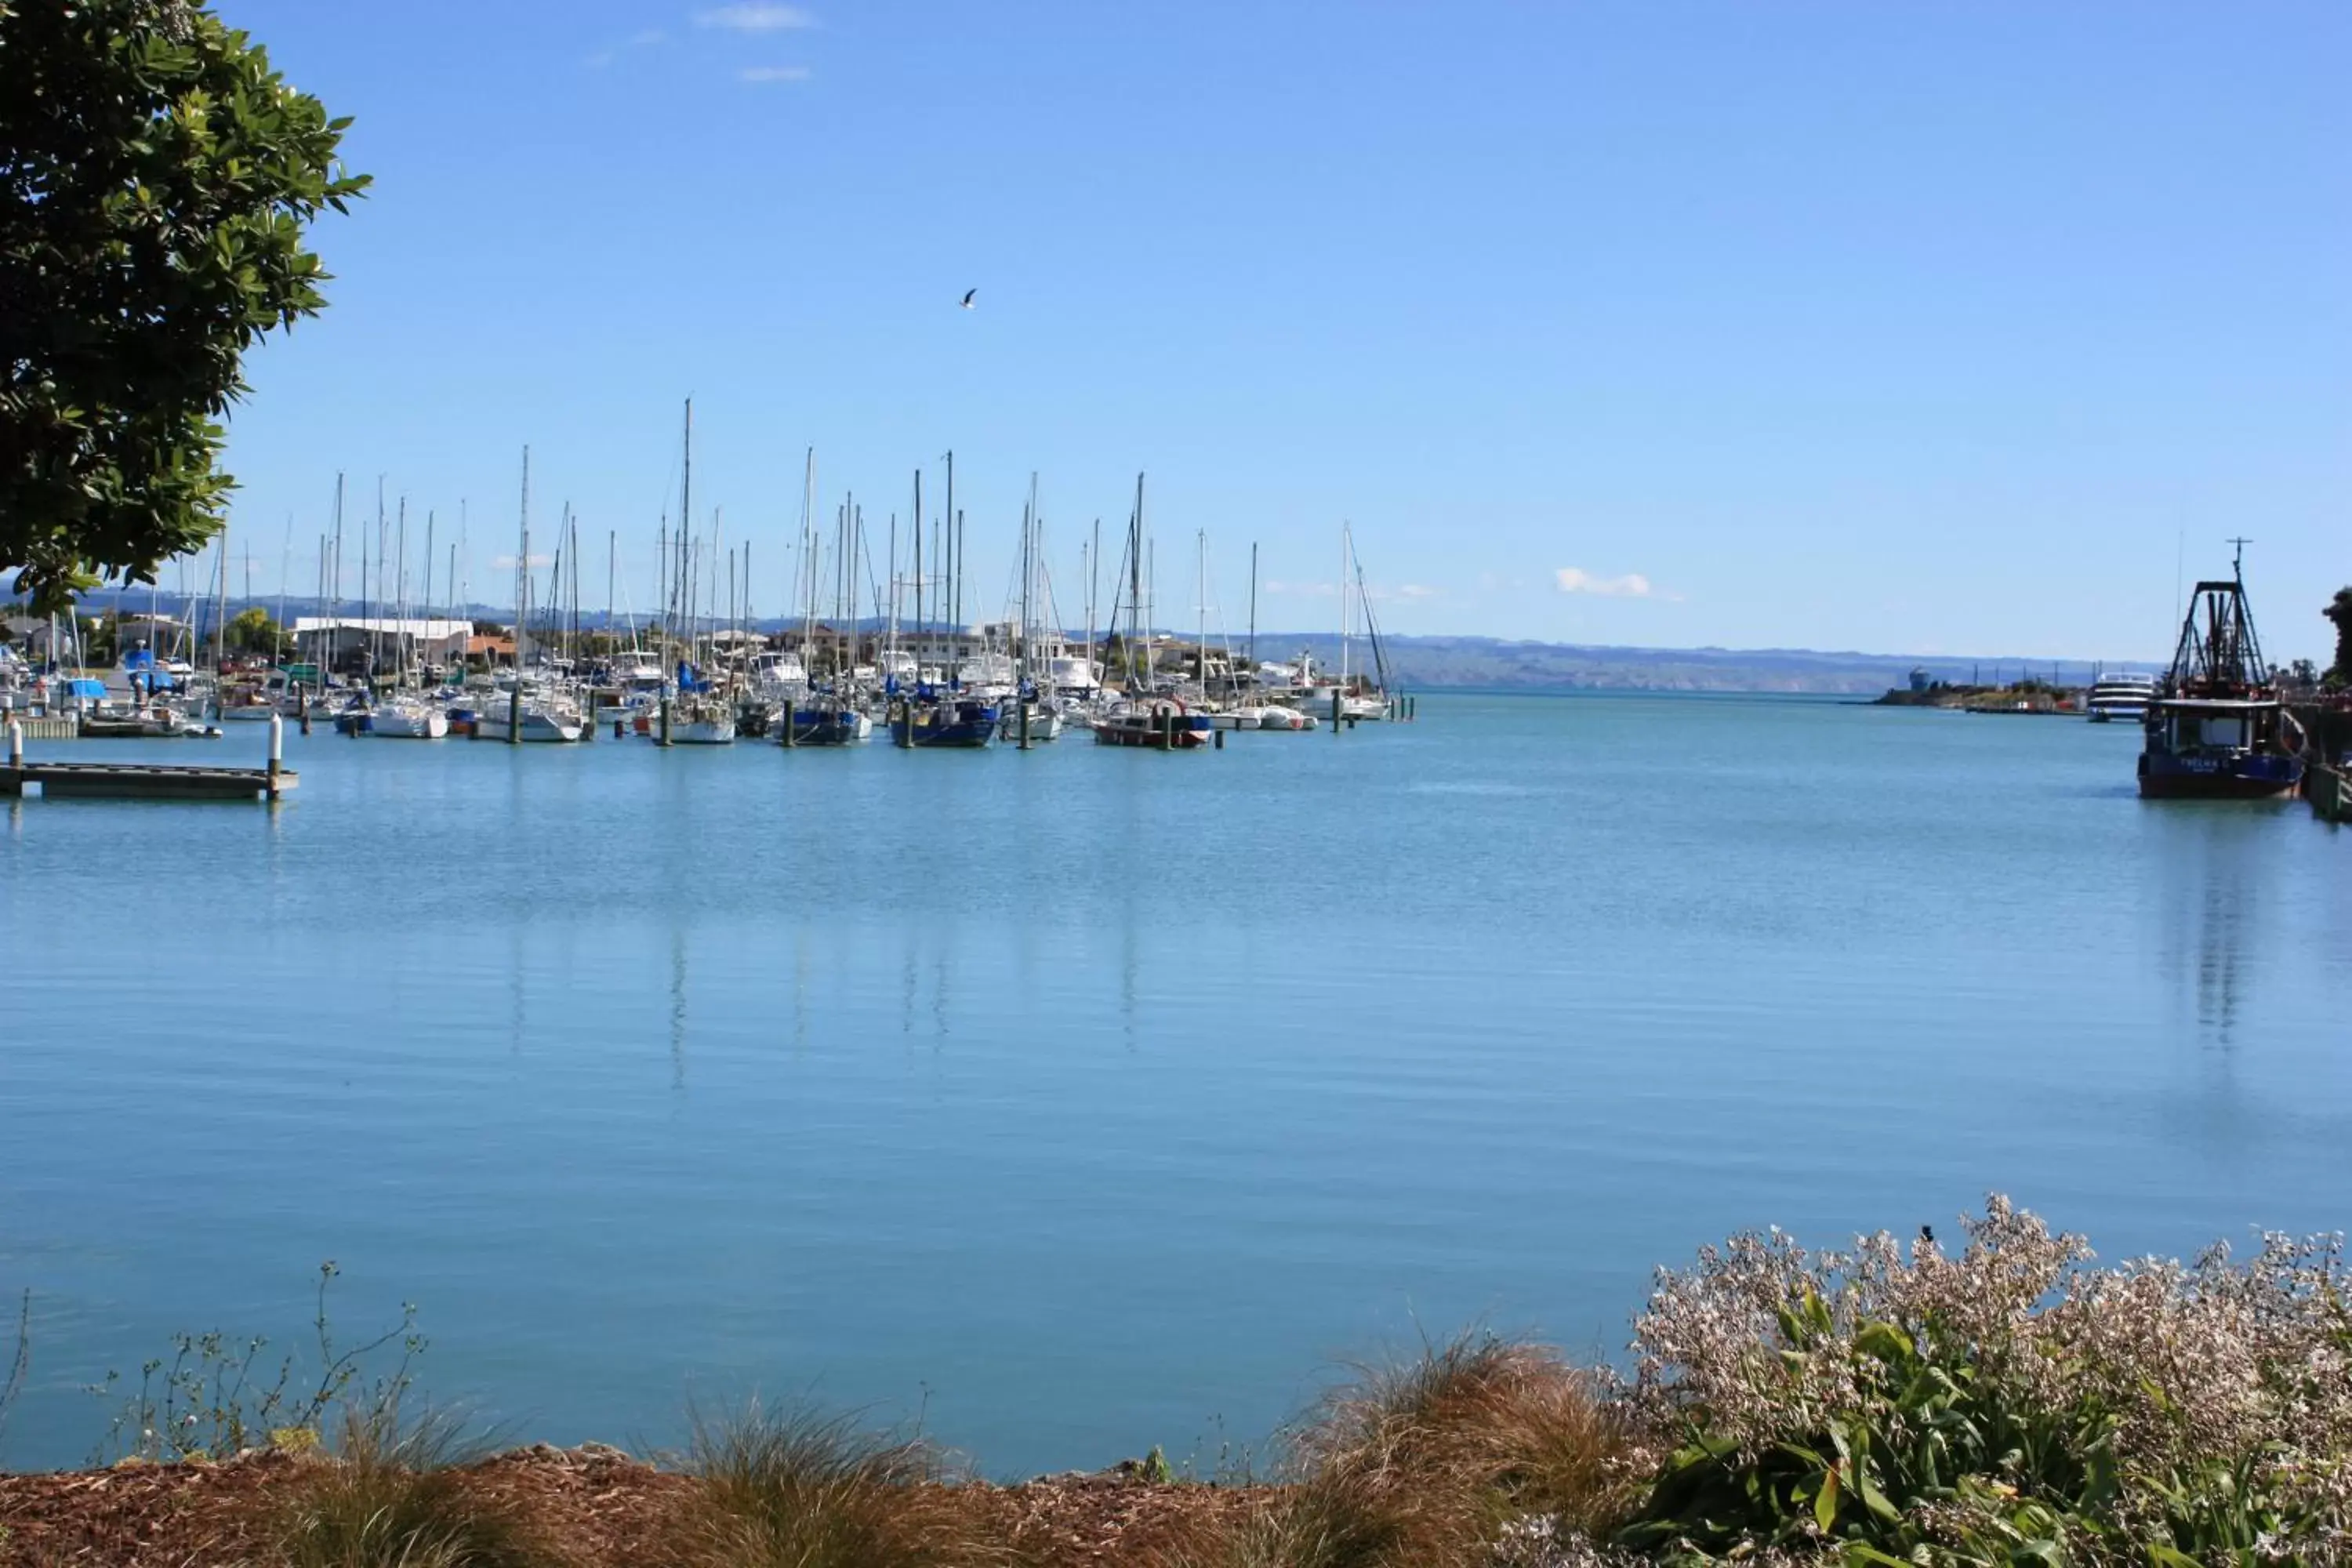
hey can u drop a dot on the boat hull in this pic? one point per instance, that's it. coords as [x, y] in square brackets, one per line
[429, 724]
[961, 726]
[2258, 775]
[828, 728]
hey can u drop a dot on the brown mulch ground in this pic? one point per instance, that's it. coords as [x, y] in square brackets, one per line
[599, 1507]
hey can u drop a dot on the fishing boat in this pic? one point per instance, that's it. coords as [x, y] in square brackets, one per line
[2119, 699]
[2216, 729]
[1158, 724]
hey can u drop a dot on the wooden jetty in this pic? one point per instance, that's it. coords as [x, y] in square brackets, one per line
[148, 781]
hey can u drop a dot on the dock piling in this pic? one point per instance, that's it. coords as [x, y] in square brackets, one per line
[276, 753]
[15, 744]
[1335, 711]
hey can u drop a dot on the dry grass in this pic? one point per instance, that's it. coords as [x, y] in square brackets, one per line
[791, 1488]
[1426, 1463]
[394, 1497]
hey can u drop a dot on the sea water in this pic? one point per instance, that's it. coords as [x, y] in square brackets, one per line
[1082, 1100]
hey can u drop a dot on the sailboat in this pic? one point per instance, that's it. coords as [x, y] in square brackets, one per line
[828, 715]
[2218, 729]
[926, 717]
[1033, 718]
[527, 710]
[697, 717]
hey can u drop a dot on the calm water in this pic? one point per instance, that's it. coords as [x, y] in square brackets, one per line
[1091, 1100]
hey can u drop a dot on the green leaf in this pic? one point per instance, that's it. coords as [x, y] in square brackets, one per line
[1825, 1501]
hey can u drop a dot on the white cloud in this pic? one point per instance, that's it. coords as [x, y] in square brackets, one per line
[648, 39]
[773, 73]
[1418, 591]
[1631, 586]
[755, 17]
[1306, 590]
[506, 563]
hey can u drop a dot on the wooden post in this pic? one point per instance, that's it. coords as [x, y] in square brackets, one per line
[664, 737]
[1022, 706]
[514, 710]
[303, 706]
[276, 753]
[1335, 711]
[1217, 739]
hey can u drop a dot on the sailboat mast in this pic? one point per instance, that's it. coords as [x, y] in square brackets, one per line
[685, 520]
[1135, 581]
[918, 576]
[1253, 625]
[1094, 571]
[1200, 609]
[522, 575]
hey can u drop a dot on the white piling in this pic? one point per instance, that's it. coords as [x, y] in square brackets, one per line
[15, 744]
[277, 751]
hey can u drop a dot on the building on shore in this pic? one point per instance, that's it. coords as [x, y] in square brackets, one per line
[338, 642]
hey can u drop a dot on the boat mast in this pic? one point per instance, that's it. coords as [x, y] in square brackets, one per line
[1094, 571]
[522, 577]
[1134, 578]
[1201, 610]
[1253, 624]
[1347, 556]
[918, 576]
[685, 526]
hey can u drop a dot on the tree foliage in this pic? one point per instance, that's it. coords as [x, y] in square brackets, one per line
[253, 631]
[157, 179]
[2339, 610]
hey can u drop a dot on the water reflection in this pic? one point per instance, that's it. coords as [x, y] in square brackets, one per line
[2212, 895]
[677, 1008]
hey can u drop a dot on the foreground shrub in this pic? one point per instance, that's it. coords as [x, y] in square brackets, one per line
[1430, 1462]
[2007, 1405]
[792, 1490]
[393, 1497]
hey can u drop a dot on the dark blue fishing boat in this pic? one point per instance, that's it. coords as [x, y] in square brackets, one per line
[2217, 729]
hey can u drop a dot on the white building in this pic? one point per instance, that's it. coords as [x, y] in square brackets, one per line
[331, 641]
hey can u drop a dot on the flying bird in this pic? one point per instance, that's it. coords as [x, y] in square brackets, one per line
[1927, 1234]
[968, 295]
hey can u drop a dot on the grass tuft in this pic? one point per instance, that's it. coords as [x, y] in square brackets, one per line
[394, 1497]
[793, 1489]
[1427, 1463]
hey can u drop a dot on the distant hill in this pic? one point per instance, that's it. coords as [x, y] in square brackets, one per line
[1440, 661]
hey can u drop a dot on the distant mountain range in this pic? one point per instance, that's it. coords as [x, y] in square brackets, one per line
[1439, 661]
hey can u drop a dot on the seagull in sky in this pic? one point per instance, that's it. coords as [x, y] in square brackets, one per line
[968, 295]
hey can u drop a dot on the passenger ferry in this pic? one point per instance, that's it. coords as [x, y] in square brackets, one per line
[2120, 696]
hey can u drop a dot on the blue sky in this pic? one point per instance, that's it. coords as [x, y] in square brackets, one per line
[1913, 327]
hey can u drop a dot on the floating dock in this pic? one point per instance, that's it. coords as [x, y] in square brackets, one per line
[146, 780]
